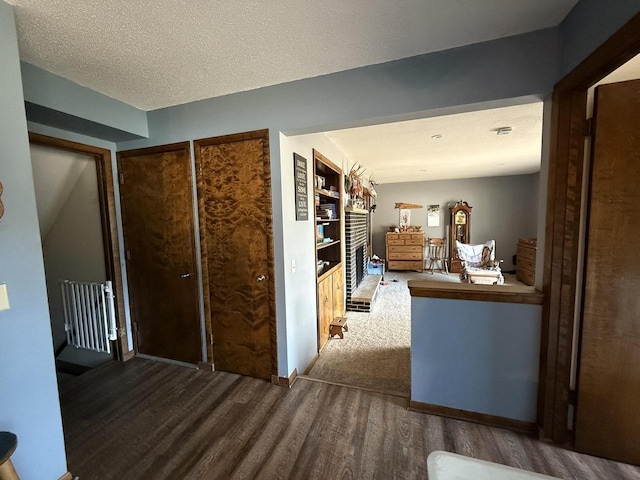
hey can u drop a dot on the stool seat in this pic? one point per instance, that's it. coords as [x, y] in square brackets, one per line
[8, 445]
[338, 326]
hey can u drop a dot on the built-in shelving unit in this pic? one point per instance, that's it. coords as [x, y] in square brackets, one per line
[328, 181]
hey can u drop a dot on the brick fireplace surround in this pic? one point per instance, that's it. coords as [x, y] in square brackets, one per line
[356, 256]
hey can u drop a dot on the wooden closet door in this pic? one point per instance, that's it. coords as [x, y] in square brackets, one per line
[158, 221]
[234, 196]
[607, 420]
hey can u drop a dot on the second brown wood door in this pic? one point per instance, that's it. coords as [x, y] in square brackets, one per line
[607, 420]
[158, 220]
[234, 195]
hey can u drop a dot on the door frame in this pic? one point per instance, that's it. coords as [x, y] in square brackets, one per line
[111, 244]
[237, 137]
[172, 147]
[564, 201]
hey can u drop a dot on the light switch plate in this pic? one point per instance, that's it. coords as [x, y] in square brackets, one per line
[4, 297]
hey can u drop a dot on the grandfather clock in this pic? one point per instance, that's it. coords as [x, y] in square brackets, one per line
[460, 230]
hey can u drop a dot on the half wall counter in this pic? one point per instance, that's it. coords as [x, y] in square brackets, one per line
[475, 352]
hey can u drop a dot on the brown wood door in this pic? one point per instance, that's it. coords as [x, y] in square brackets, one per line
[157, 215]
[607, 420]
[234, 196]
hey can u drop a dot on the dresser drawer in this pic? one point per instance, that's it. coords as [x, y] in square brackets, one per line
[526, 264]
[414, 241]
[404, 256]
[393, 236]
[405, 248]
[400, 265]
[393, 241]
[527, 277]
[527, 253]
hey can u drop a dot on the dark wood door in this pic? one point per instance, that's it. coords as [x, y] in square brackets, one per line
[234, 195]
[158, 220]
[607, 420]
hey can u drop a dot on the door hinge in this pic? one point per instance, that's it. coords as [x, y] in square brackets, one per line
[588, 127]
[121, 177]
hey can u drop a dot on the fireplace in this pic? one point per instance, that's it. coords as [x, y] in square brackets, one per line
[355, 253]
[360, 265]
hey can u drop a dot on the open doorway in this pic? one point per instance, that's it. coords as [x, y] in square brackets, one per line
[74, 197]
[491, 159]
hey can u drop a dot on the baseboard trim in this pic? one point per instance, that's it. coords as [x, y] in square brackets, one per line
[311, 364]
[285, 381]
[66, 476]
[128, 355]
[206, 366]
[475, 417]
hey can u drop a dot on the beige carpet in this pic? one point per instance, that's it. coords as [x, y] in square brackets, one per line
[375, 352]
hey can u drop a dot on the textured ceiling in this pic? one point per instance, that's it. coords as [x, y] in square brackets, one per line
[154, 54]
[469, 146]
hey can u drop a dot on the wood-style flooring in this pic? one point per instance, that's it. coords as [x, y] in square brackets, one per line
[150, 420]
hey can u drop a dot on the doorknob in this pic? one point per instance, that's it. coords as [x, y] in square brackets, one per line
[261, 278]
[185, 275]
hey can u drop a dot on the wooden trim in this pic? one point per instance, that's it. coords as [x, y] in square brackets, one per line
[129, 355]
[234, 137]
[237, 137]
[171, 147]
[481, 293]
[206, 366]
[562, 222]
[66, 476]
[106, 192]
[285, 381]
[318, 156]
[311, 364]
[204, 264]
[475, 417]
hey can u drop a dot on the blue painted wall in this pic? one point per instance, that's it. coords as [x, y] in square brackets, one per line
[588, 25]
[476, 356]
[56, 101]
[29, 403]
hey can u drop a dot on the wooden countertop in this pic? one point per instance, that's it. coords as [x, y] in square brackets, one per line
[482, 293]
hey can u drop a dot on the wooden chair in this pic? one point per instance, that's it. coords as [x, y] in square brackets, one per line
[436, 253]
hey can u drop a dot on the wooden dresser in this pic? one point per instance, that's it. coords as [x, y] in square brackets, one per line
[526, 260]
[405, 251]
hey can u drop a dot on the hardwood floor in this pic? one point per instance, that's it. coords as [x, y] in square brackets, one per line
[151, 420]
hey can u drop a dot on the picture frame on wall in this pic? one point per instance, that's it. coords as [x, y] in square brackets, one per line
[300, 185]
[433, 216]
[405, 218]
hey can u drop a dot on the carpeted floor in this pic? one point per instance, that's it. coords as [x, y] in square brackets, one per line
[375, 352]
